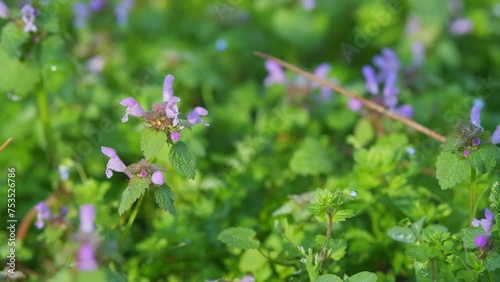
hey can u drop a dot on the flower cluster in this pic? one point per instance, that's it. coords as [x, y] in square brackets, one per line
[44, 214]
[165, 116]
[276, 75]
[142, 169]
[483, 240]
[474, 129]
[88, 240]
[388, 66]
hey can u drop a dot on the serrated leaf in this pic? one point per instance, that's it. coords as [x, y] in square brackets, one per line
[338, 247]
[12, 38]
[328, 278]
[451, 169]
[183, 161]
[492, 261]
[239, 237]
[152, 142]
[484, 159]
[363, 276]
[310, 158]
[420, 253]
[342, 215]
[402, 234]
[468, 235]
[453, 142]
[136, 187]
[165, 199]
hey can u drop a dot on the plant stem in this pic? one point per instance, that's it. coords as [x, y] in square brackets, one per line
[130, 221]
[472, 193]
[43, 108]
[433, 269]
[324, 249]
[369, 104]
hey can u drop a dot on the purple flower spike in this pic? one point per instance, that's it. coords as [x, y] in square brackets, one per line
[171, 109]
[466, 153]
[405, 110]
[418, 49]
[371, 80]
[87, 218]
[194, 116]
[175, 136]
[86, 258]
[355, 105]
[495, 138]
[321, 71]
[82, 13]
[276, 73]
[309, 4]
[480, 241]
[97, 5]
[43, 213]
[387, 63]
[28, 13]
[168, 92]
[475, 115]
[158, 178]
[133, 108]
[486, 223]
[114, 163]
[476, 141]
[4, 10]
[122, 10]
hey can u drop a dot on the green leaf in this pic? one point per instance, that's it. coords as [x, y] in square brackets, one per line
[468, 235]
[420, 253]
[363, 276]
[152, 142]
[363, 134]
[484, 159]
[136, 187]
[328, 278]
[12, 39]
[310, 158]
[492, 261]
[451, 169]
[16, 76]
[453, 142]
[338, 247]
[239, 237]
[402, 234]
[342, 215]
[183, 161]
[165, 199]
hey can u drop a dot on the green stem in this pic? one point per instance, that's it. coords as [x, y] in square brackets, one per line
[130, 221]
[433, 269]
[472, 193]
[324, 249]
[43, 108]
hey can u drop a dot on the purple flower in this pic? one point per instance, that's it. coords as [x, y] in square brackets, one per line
[495, 138]
[321, 71]
[391, 91]
[171, 109]
[82, 13]
[466, 153]
[404, 110]
[97, 5]
[461, 26]
[28, 13]
[86, 258]
[480, 240]
[309, 4]
[276, 73]
[133, 108]
[4, 10]
[175, 136]
[475, 115]
[43, 214]
[87, 218]
[418, 50]
[158, 178]
[194, 116]
[114, 163]
[355, 105]
[387, 63]
[476, 141]
[122, 10]
[96, 64]
[371, 79]
[144, 173]
[486, 223]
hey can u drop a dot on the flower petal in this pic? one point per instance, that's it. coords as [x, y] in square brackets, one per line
[110, 152]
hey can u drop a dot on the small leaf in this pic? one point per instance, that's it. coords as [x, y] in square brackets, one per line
[310, 158]
[328, 278]
[135, 189]
[12, 39]
[453, 142]
[152, 142]
[364, 132]
[420, 253]
[485, 158]
[165, 199]
[342, 215]
[402, 234]
[363, 276]
[492, 261]
[451, 169]
[183, 161]
[239, 237]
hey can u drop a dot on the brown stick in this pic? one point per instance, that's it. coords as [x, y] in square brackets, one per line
[5, 144]
[369, 104]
